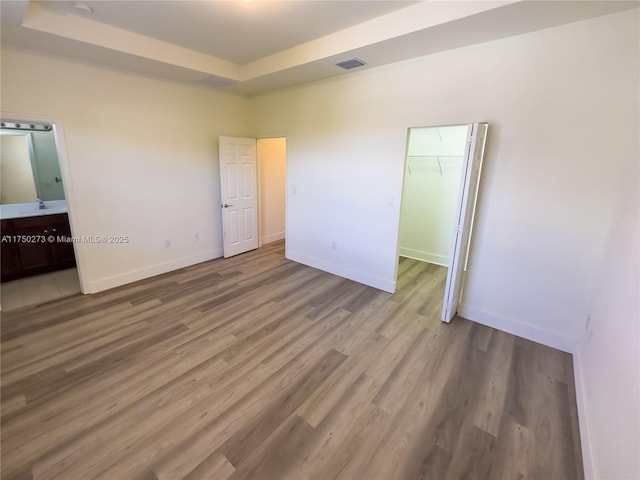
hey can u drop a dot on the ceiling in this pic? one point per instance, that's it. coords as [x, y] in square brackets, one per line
[254, 46]
[240, 32]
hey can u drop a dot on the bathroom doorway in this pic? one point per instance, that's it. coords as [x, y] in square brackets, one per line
[38, 254]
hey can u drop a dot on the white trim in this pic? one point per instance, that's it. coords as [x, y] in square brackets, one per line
[342, 271]
[274, 237]
[518, 328]
[429, 257]
[151, 271]
[588, 458]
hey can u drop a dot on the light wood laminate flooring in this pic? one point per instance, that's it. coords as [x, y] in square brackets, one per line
[256, 367]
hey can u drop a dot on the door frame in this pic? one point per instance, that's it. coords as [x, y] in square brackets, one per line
[67, 183]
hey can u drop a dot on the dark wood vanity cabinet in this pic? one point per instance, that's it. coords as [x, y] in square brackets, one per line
[35, 245]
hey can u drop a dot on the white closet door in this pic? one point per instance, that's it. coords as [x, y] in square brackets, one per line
[468, 191]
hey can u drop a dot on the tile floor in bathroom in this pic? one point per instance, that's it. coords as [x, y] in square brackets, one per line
[39, 289]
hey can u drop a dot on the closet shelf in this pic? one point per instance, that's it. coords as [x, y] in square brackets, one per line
[434, 157]
[426, 159]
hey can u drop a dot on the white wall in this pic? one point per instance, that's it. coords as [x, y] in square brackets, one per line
[608, 355]
[430, 192]
[272, 154]
[143, 160]
[560, 128]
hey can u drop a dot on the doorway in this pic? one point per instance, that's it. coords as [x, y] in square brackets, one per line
[272, 167]
[252, 192]
[442, 171]
[39, 260]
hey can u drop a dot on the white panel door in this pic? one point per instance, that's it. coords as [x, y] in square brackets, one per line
[464, 215]
[239, 197]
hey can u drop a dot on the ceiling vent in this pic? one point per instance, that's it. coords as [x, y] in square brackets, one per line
[352, 63]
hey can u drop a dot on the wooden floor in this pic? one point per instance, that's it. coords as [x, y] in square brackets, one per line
[257, 367]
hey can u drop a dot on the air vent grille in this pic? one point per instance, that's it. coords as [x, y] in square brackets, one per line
[352, 63]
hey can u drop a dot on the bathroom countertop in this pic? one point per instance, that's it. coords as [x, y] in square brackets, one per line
[21, 210]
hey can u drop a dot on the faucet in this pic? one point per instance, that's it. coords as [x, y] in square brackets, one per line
[41, 204]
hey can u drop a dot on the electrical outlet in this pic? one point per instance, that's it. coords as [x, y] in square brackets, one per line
[167, 243]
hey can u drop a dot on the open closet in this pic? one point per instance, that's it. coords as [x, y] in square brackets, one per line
[430, 193]
[442, 170]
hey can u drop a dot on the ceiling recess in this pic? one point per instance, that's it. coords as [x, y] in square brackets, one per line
[351, 63]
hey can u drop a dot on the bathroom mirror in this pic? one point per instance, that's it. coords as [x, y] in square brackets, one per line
[29, 166]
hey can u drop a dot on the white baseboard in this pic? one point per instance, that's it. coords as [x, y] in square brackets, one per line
[342, 271]
[424, 256]
[520, 329]
[274, 237]
[588, 458]
[99, 285]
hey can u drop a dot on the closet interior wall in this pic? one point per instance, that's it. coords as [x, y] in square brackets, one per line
[430, 192]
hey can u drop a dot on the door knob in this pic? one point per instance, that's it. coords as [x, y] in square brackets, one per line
[226, 205]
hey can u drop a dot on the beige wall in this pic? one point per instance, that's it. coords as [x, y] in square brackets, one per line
[143, 160]
[272, 174]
